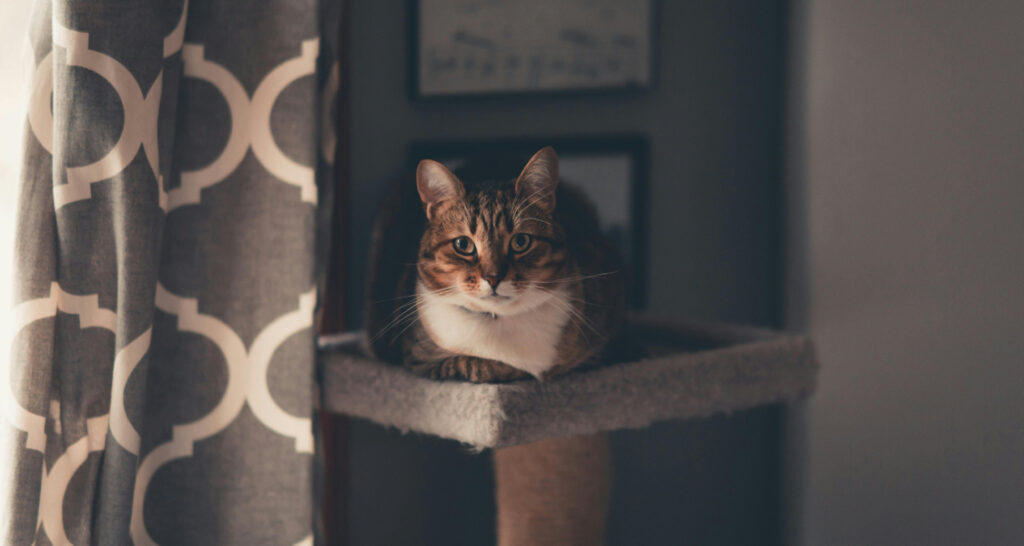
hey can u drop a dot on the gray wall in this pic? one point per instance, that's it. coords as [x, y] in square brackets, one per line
[907, 188]
[714, 121]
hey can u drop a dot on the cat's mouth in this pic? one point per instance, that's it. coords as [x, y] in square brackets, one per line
[495, 297]
[489, 304]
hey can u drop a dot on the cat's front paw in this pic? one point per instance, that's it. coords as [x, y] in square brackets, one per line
[469, 368]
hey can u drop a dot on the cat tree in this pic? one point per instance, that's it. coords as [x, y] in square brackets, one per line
[692, 370]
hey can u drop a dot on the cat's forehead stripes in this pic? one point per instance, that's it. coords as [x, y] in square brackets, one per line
[491, 210]
[487, 210]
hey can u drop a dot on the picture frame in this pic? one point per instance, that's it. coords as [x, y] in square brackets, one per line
[482, 48]
[612, 170]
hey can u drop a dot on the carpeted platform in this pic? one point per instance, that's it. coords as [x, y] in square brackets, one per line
[694, 370]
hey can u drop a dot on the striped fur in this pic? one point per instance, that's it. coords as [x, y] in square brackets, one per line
[545, 309]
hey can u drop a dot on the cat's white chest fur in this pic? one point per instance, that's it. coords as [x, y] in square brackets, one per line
[527, 341]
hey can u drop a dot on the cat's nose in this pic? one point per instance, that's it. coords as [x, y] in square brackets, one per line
[492, 280]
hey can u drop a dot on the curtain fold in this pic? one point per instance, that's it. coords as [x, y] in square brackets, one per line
[171, 239]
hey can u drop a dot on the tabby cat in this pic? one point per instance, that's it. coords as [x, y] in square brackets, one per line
[492, 279]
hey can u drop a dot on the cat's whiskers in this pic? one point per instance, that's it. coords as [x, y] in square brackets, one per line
[414, 316]
[532, 219]
[447, 291]
[577, 278]
[411, 322]
[528, 201]
[523, 206]
[582, 319]
[408, 311]
[570, 309]
[400, 315]
[519, 204]
[396, 299]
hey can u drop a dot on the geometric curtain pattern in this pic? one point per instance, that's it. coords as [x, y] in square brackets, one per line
[170, 244]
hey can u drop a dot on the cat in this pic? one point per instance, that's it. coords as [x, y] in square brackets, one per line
[486, 278]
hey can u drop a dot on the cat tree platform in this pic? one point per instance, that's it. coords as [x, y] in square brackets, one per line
[692, 370]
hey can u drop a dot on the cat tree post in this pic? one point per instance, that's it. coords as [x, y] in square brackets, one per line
[693, 370]
[554, 491]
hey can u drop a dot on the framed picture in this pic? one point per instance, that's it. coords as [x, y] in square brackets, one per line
[612, 171]
[489, 47]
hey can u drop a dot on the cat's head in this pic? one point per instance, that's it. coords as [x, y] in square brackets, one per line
[494, 249]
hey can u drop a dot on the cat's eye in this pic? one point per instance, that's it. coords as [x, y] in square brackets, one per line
[464, 245]
[520, 242]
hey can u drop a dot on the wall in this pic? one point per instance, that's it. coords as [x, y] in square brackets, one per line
[907, 187]
[714, 121]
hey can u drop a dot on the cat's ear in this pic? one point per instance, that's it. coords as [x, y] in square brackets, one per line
[539, 178]
[436, 185]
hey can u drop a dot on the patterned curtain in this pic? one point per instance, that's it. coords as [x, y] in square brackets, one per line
[170, 242]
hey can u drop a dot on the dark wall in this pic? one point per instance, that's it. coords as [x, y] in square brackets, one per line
[714, 124]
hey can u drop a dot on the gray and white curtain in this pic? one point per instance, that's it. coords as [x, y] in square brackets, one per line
[170, 239]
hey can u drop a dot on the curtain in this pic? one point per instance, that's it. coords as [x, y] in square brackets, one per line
[171, 236]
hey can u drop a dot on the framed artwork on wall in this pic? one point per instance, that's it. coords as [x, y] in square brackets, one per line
[611, 170]
[487, 47]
